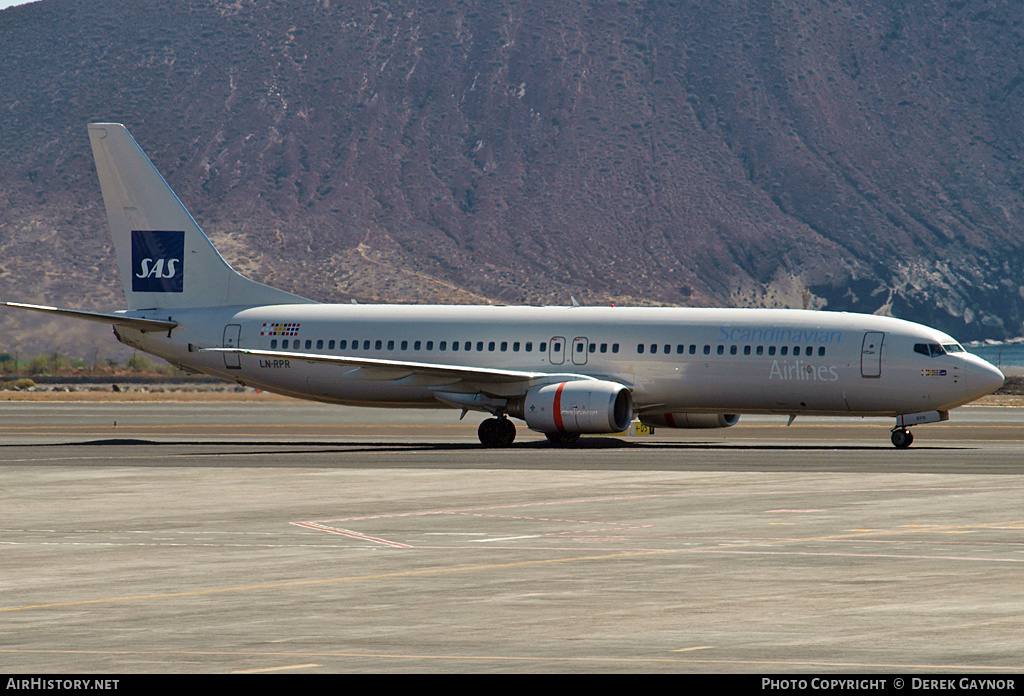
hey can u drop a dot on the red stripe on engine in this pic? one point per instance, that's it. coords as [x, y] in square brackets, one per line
[558, 407]
[671, 420]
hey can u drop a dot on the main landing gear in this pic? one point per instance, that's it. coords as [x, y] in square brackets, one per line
[501, 432]
[496, 432]
[902, 438]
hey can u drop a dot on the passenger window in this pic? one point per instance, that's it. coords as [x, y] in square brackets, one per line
[543, 346]
[366, 344]
[654, 348]
[273, 343]
[515, 346]
[320, 344]
[604, 347]
[721, 350]
[529, 347]
[746, 350]
[480, 346]
[693, 349]
[615, 347]
[330, 345]
[796, 350]
[732, 350]
[707, 350]
[443, 345]
[309, 344]
[504, 346]
[430, 345]
[784, 350]
[391, 345]
[416, 345]
[680, 349]
[405, 345]
[639, 347]
[342, 344]
[760, 350]
[821, 351]
[593, 348]
[490, 346]
[771, 350]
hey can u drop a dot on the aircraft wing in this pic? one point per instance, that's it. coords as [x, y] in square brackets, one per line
[491, 380]
[140, 323]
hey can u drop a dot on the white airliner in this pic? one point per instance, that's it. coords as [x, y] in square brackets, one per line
[565, 371]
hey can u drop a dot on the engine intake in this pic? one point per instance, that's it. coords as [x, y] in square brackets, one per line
[584, 406]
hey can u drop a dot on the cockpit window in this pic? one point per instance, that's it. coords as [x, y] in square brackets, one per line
[932, 349]
[953, 348]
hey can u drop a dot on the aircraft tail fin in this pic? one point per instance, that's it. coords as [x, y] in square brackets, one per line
[165, 259]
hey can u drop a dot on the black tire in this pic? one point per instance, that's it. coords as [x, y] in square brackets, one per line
[488, 432]
[902, 439]
[508, 432]
[496, 432]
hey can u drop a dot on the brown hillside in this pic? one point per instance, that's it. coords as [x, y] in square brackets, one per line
[847, 154]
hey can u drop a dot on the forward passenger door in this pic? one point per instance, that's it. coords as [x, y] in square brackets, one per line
[871, 354]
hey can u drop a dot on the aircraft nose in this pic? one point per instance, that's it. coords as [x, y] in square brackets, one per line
[983, 378]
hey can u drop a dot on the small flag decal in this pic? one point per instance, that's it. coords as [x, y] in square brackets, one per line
[279, 329]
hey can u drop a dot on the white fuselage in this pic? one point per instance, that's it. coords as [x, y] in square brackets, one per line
[672, 359]
[564, 371]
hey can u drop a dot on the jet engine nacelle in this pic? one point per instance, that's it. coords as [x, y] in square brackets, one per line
[690, 420]
[584, 406]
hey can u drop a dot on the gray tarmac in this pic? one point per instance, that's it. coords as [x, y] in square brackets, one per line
[290, 537]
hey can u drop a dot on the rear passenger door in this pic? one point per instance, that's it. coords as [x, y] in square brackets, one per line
[231, 334]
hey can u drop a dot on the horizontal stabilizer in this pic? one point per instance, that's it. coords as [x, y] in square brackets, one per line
[140, 323]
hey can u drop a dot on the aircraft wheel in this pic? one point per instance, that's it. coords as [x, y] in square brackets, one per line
[902, 439]
[496, 432]
[562, 439]
[508, 432]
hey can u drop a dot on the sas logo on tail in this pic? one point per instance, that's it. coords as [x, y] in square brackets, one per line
[158, 260]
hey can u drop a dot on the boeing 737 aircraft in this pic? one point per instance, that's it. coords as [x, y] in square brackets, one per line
[565, 371]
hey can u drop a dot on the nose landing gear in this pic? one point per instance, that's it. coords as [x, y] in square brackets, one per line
[901, 435]
[902, 438]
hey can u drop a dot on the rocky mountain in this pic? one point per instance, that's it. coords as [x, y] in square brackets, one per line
[860, 155]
